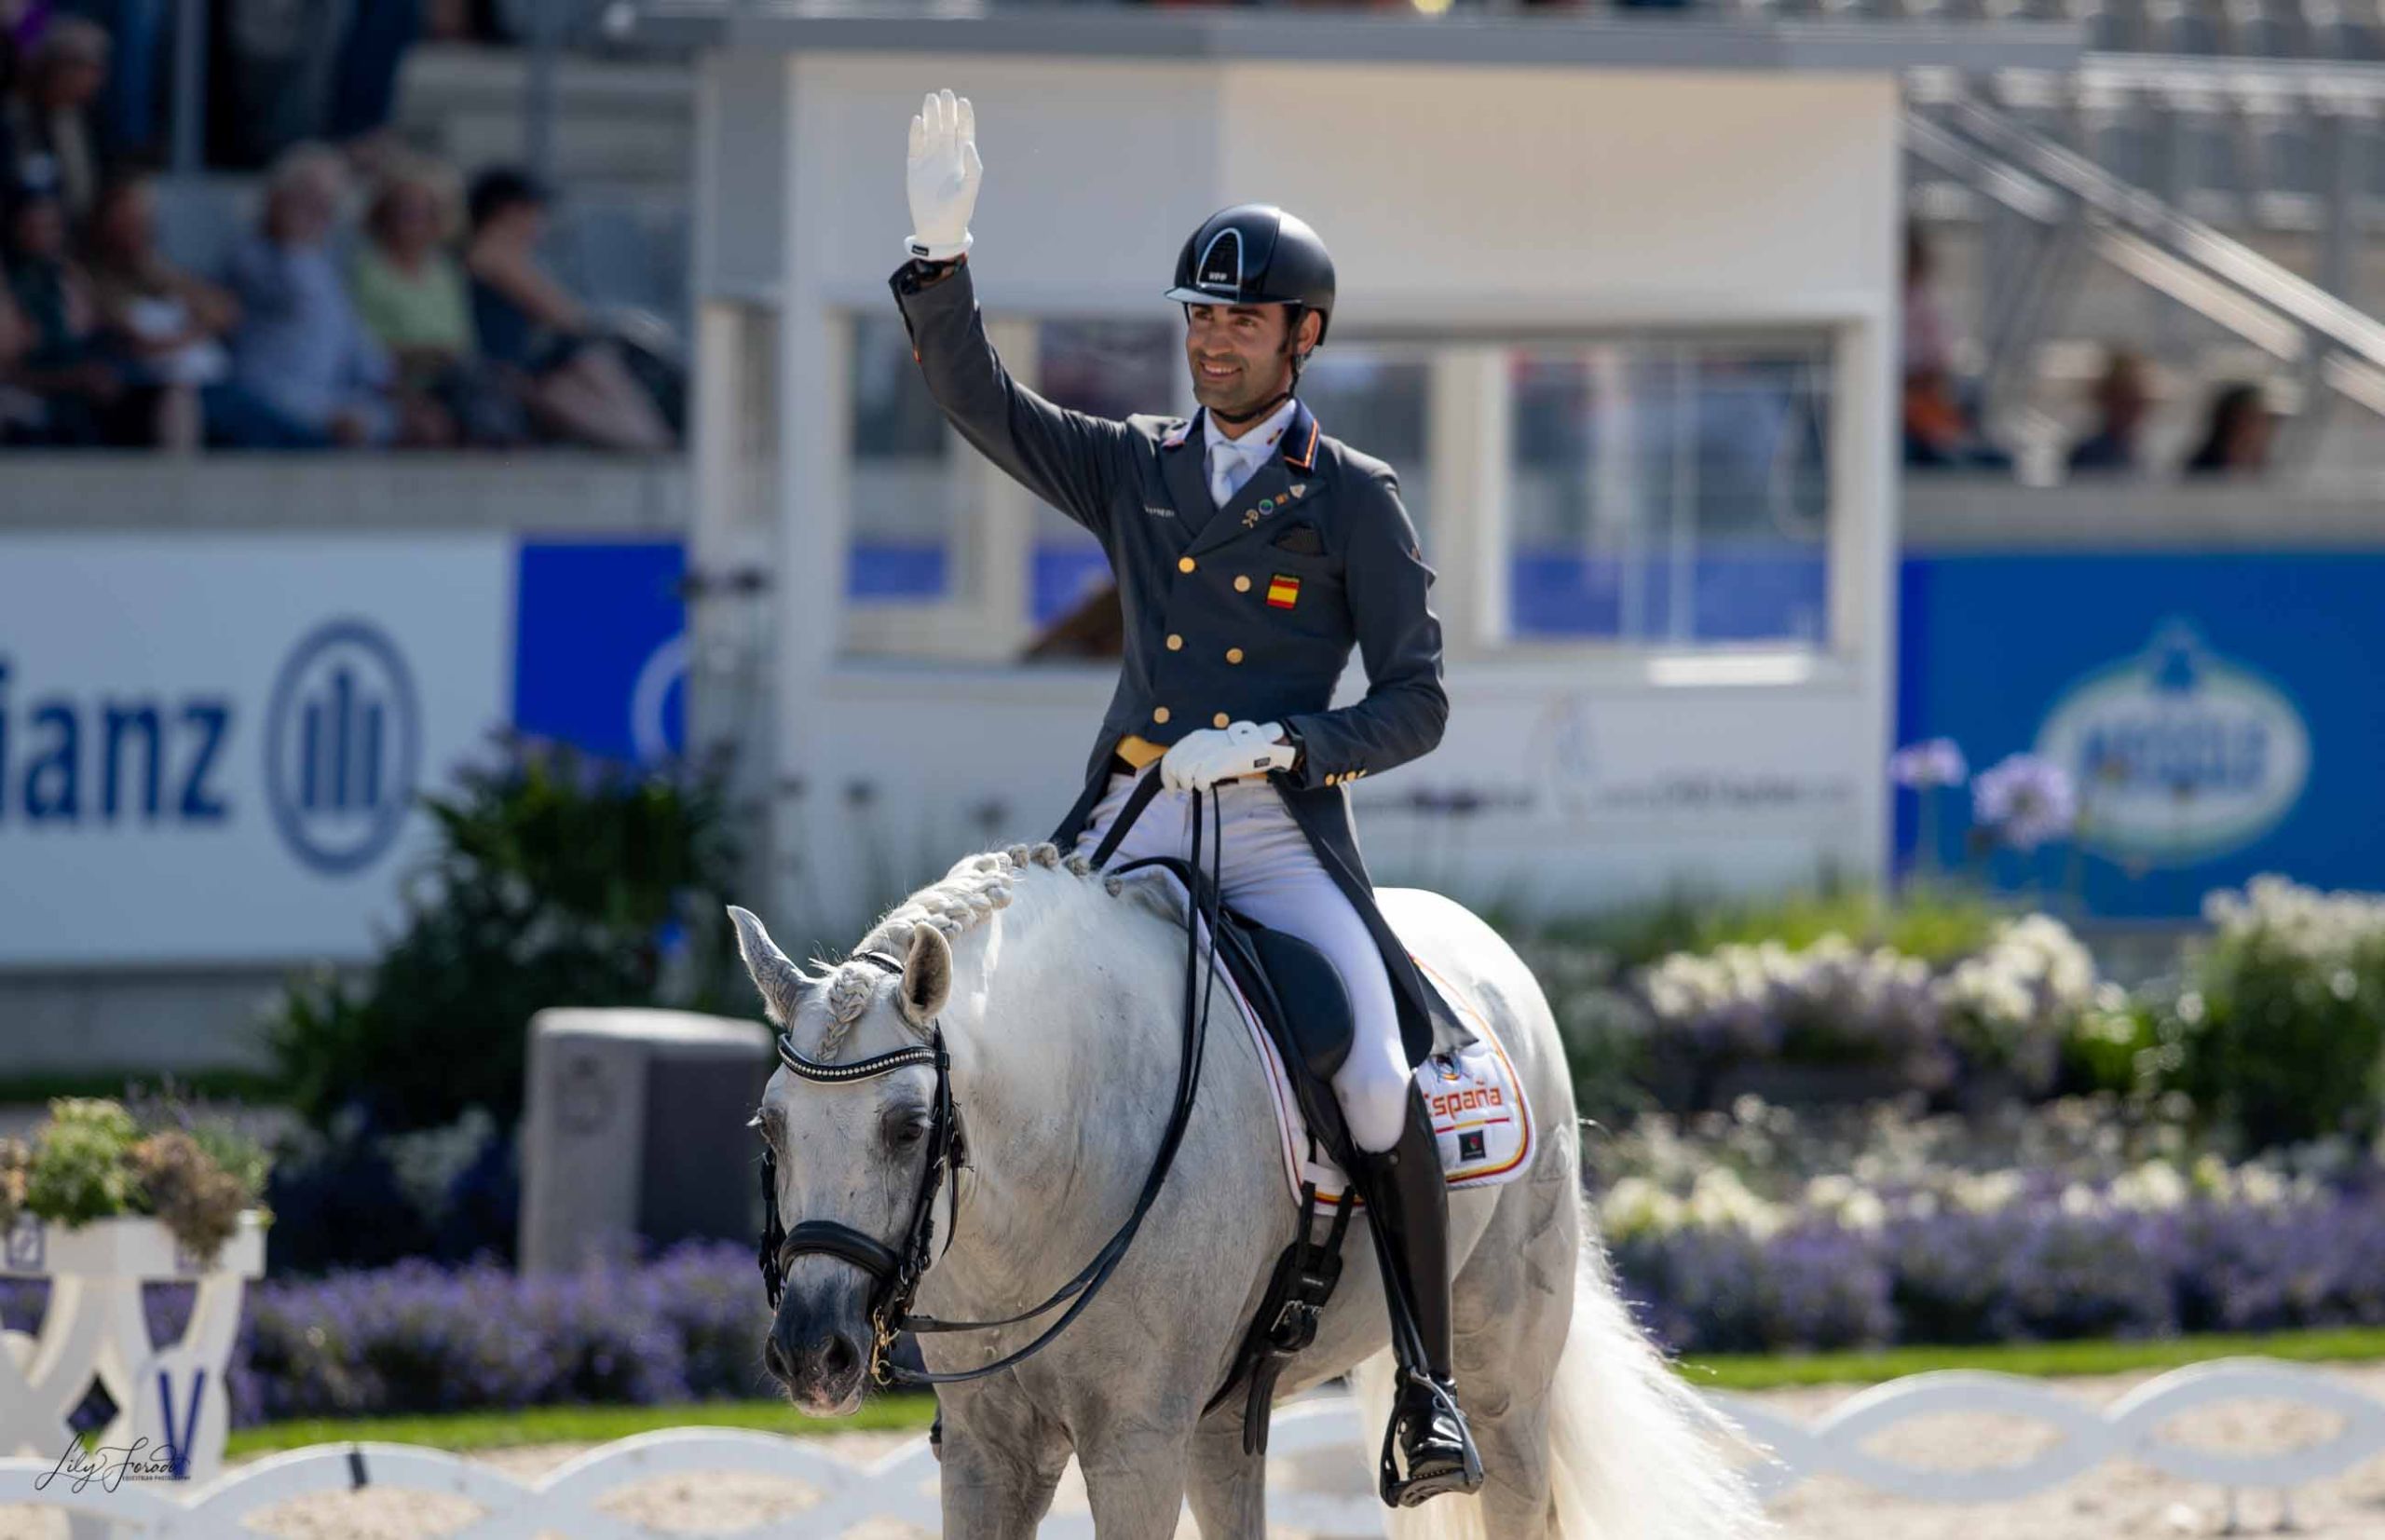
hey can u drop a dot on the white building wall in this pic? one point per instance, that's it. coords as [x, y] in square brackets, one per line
[1518, 203]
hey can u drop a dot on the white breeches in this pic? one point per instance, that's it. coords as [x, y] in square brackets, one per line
[1269, 872]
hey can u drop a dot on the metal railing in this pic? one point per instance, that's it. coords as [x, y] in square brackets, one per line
[2053, 204]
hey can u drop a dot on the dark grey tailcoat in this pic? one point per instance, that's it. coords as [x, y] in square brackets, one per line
[1246, 612]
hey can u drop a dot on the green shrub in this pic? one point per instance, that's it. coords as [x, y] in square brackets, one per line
[80, 1169]
[1937, 924]
[560, 881]
[2279, 1028]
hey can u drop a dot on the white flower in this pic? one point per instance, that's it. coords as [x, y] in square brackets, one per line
[1720, 1200]
[1985, 1191]
[2154, 1186]
[1863, 1211]
[1635, 1205]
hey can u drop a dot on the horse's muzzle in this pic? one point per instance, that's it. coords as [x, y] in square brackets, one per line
[819, 1358]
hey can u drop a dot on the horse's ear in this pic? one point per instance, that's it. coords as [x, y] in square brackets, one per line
[927, 977]
[780, 982]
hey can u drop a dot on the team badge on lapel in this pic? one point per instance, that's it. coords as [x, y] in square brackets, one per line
[1283, 592]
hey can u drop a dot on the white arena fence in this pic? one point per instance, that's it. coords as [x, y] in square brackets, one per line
[1317, 1432]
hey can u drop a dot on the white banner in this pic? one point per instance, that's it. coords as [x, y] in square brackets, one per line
[212, 745]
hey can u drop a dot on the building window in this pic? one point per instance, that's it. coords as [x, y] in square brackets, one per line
[1668, 491]
[1106, 369]
[906, 482]
[1372, 398]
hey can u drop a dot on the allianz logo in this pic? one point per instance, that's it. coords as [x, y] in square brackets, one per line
[68, 761]
[339, 755]
[2179, 754]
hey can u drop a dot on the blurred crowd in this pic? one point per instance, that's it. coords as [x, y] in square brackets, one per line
[375, 302]
[1940, 419]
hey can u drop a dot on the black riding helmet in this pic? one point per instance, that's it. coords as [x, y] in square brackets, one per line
[1255, 253]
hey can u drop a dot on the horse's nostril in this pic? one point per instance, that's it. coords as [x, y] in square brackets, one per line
[840, 1358]
[774, 1360]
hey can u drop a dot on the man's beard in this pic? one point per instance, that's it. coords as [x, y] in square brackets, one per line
[1249, 396]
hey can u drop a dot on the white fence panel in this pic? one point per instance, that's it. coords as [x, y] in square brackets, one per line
[900, 1486]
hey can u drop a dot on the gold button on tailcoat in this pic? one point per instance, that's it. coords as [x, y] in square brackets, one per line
[1234, 655]
[1175, 643]
[1184, 563]
[1159, 714]
[1241, 584]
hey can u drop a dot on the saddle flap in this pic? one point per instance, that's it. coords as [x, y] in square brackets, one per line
[1315, 1023]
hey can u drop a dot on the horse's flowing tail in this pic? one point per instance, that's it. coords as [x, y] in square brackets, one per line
[1634, 1453]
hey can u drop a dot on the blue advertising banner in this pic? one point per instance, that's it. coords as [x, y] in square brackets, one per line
[2219, 715]
[600, 656]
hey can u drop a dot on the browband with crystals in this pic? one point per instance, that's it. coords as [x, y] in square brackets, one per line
[928, 1055]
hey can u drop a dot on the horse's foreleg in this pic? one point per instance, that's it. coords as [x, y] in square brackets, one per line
[1228, 1488]
[1134, 1476]
[999, 1467]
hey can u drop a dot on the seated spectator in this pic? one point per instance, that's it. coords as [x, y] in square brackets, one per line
[410, 293]
[82, 400]
[166, 328]
[47, 116]
[300, 348]
[575, 381]
[1941, 429]
[2236, 441]
[1939, 435]
[20, 415]
[2122, 400]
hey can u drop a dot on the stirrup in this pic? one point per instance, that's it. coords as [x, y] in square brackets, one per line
[1434, 1464]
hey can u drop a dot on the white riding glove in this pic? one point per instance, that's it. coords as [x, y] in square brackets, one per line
[1201, 759]
[944, 175]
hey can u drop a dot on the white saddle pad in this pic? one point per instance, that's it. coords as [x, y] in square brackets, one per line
[1476, 1101]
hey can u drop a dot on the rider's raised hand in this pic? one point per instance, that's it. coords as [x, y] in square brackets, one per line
[944, 175]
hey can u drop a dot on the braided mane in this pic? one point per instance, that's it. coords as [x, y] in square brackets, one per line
[957, 902]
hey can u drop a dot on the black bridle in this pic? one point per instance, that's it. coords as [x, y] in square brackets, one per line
[896, 1274]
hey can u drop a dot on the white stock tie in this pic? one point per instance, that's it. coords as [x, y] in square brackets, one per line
[1230, 466]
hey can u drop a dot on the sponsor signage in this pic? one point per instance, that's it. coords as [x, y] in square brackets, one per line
[2218, 716]
[211, 747]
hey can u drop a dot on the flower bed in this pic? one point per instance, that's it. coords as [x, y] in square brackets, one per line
[1765, 1230]
[418, 1337]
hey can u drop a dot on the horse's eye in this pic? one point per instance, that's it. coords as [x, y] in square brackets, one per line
[904, 1128]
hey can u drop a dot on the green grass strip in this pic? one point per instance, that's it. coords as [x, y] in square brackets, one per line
[486, 1430]
[577, 1424]
[2048, 1360]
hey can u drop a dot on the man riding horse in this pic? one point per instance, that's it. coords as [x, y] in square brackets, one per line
[1251, 551]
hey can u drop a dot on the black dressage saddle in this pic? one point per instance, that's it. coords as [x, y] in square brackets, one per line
[1297, 994]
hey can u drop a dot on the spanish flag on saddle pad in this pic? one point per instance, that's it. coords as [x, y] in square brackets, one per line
[1283, 592]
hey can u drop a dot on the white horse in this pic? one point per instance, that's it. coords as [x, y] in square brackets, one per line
[1057, 991]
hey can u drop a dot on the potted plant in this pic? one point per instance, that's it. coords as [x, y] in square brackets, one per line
[98, 1202]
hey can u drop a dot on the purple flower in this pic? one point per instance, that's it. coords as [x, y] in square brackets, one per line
[2025, 799]
[1938, 762]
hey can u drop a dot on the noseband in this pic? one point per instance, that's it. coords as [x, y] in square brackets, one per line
[896, 1274]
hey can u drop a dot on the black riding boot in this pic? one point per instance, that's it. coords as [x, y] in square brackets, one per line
[1407, 1207]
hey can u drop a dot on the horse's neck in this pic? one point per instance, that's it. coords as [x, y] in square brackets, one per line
[1065, 1074]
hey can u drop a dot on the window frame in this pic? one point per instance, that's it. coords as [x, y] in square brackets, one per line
[1469, 430]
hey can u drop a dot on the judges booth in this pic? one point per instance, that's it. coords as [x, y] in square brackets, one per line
[1617, 301]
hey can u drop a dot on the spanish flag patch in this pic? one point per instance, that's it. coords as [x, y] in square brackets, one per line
[1282, 591]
